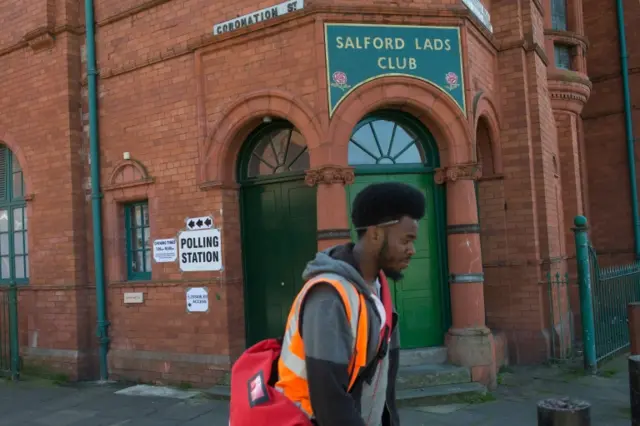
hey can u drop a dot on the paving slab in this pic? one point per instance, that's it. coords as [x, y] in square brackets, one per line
[40, 403]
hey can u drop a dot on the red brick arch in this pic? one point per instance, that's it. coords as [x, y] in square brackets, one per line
[427, 103]
[239, 119]
[487, 111]
[6, 139]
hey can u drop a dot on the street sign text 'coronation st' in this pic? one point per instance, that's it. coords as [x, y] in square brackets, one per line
[263, 15]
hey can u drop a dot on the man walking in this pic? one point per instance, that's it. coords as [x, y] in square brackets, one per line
[340, 352]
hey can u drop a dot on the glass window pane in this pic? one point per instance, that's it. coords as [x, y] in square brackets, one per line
[137, 242]
[138, 265]
[4, 244]
[358, 157]
[17, 218]
[4, 220]
[138, 216]
[18, 245]
[562, 56]
[19, 267]
[384, 142]
[145, 215]
[26, 242]
[279, 150]
[5, 270]
[26, 266]
[559, 15]
[15, 164]
[147, 261]
[18, 185]
[147, 240]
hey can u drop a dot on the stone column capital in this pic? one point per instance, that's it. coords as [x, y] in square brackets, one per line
[329, 174]
[465, 171]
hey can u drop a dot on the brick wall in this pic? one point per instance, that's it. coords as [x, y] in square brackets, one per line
[164, 88]
[40, 122]
[604, 130]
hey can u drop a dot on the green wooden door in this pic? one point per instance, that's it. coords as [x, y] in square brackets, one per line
[418, 296]
[393, 146]
[279, 238]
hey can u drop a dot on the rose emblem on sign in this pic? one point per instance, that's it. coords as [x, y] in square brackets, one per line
[452, 80]
[340, 80]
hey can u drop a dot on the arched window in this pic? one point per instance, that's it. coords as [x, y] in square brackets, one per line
[277, 148]
[14, 250]
[382, 140]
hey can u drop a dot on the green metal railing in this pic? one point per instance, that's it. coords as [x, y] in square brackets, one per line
[605, 293]
[9, 343]
[613, 288]
[561, 338]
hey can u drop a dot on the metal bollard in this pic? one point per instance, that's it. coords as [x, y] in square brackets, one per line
[633, 321]
[564, 412]
[634, 389]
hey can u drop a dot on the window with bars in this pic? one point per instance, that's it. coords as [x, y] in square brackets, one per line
[14, 248]
[138, 243]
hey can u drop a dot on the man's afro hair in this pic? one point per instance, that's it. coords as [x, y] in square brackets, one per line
[387, 201]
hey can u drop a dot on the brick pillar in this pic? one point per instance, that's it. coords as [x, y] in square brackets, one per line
[333, 223]
[469, 341]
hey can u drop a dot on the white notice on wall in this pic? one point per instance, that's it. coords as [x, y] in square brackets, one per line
[200, 250]
[197, 299]
[165, 250]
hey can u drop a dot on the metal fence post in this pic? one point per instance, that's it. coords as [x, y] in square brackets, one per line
[14, 344]
[586, 303]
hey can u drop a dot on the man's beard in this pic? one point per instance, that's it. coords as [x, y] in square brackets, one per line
[389, 273]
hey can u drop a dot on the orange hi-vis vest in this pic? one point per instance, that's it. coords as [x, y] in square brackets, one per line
[291, 366]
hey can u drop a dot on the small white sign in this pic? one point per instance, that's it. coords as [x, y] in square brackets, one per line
[165, 250]
[477, 8]
[133, 298]
[197, 299]
[265, 14]
[200, 250]
[197, 223]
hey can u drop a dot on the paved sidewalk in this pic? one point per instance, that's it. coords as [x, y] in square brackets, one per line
[40, 403]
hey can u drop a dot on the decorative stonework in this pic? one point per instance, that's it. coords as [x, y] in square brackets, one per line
[469, 171]
[568, 90]
[126, 174]
[40, 38]
[330, 174]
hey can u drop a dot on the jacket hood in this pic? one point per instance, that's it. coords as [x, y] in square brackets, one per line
[337, 260]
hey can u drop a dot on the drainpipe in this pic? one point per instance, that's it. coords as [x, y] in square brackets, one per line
[96, 196]
[631, 156]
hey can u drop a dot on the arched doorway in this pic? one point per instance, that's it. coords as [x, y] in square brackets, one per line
[278, 214]
[393, 146]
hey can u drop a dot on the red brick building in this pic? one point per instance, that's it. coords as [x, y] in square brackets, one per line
[268, 119]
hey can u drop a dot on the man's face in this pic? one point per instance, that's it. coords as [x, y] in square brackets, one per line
[397, 247]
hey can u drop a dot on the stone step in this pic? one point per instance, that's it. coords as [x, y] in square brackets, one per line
[421, 376]
[441, 395]
[413, 357]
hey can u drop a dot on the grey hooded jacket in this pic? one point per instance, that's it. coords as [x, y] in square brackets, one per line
[328, 340]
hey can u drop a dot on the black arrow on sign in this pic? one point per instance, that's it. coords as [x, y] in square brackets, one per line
[208, 222]
[199, 223]
[191, 224]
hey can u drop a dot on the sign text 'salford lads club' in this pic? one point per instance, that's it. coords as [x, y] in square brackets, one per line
[258, 16]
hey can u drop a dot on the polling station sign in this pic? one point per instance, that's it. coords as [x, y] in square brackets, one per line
[200, 250]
